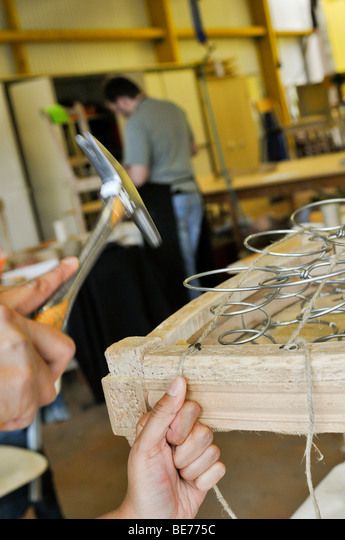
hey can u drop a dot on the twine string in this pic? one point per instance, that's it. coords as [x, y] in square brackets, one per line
[302, 344]
[197, 346]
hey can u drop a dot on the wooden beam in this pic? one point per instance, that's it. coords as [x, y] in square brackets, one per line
[240, 32]
[294, 33]
[17, 36]
[243, 32]
[19, 51]
[160, 13]
[268, 51]
[49, 36]
[246, 388]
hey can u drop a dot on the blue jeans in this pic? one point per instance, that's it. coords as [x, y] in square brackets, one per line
[188, 208]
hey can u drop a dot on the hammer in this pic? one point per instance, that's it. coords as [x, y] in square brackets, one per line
[121, 198]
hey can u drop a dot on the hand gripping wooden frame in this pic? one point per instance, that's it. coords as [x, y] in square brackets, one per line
[259, 387]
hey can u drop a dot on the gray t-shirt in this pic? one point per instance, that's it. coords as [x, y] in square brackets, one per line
[158, 136]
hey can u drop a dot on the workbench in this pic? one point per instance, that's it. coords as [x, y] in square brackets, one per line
[283, 178]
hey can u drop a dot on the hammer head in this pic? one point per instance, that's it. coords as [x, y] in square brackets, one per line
[117, 183]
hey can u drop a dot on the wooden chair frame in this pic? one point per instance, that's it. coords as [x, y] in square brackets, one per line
[244, 387]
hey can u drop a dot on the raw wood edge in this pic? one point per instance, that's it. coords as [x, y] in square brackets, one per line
[124, 387]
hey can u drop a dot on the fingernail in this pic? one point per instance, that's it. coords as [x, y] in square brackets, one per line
[175, 387]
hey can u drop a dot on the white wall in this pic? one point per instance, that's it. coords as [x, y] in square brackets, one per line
[51, 176]
[290, 14]
[13, 189]
[296, 15]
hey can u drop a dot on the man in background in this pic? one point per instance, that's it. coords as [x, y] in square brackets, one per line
[158, 146]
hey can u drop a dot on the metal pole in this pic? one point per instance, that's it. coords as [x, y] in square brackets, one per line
[237, 214]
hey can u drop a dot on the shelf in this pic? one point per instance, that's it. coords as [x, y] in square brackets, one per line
[136, 34]
[106, 34]
[294, 33]
[243, 32]
[240, 32]
[93, 116]
[84, 185]
[310, 122]
[78, 160]
[92, 207]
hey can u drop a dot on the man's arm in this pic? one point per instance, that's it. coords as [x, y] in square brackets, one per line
[138, 173]
[137, 152]
[193, 148]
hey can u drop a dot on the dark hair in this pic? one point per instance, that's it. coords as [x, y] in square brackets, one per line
[119, 87]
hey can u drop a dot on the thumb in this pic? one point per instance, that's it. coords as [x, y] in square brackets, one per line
[162, 414]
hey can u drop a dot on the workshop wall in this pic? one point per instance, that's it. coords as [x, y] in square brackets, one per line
[335, 18]
[76, 58]
[220, 13]
[296, 69]
[13, 189]
[6, 59]
[63, 58]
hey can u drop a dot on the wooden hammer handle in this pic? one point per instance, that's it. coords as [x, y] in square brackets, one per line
[55, 315]
[118, 212]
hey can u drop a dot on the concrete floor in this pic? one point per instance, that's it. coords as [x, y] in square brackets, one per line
[265, 472]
